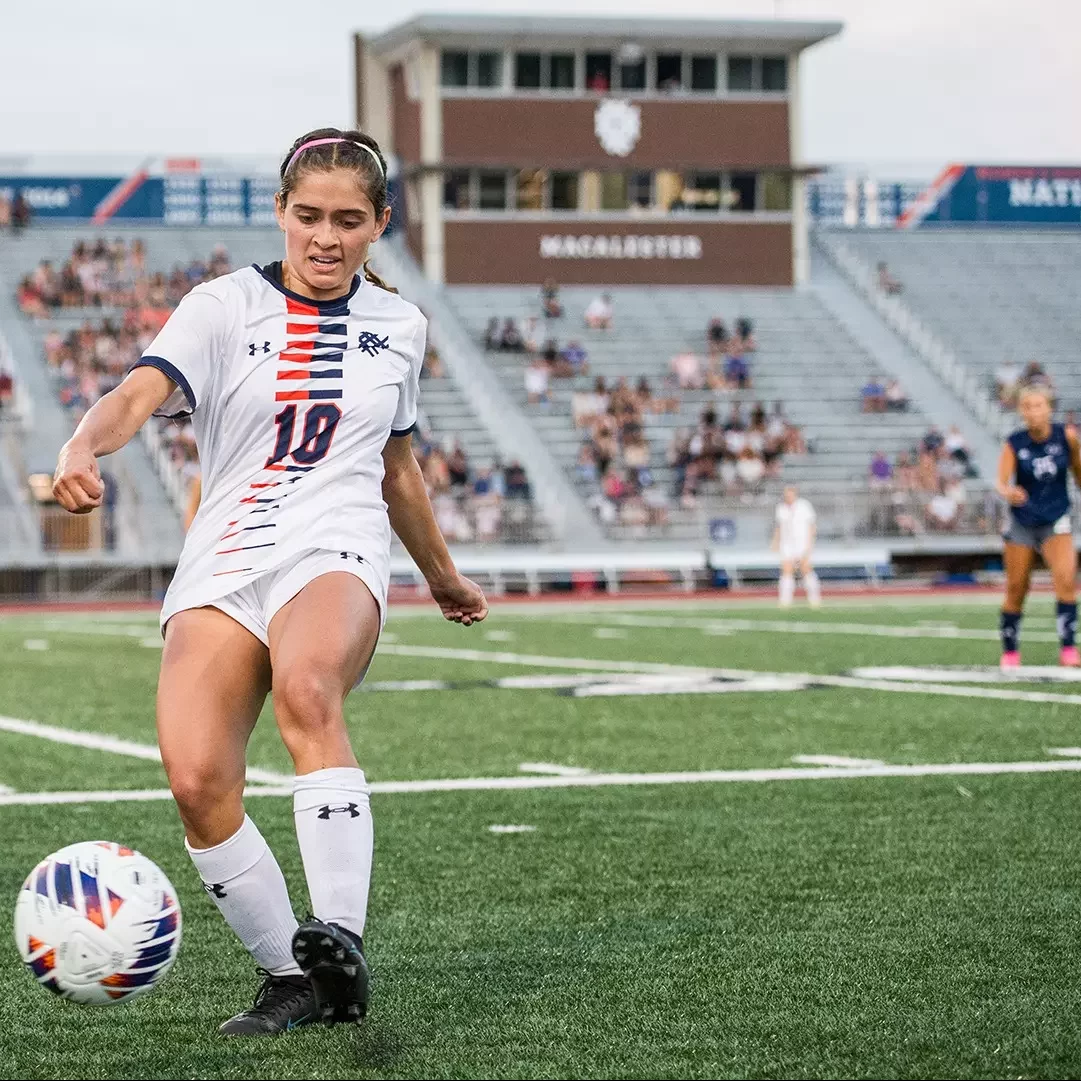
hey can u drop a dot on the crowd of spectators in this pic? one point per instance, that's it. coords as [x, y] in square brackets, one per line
[923, 489]
[88, 361]
[15, 212]
[879, 395]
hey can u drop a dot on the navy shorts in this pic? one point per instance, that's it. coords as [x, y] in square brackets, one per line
[1033, 536]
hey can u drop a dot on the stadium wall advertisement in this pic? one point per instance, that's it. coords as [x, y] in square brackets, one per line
[1018, 195]
[174, 199]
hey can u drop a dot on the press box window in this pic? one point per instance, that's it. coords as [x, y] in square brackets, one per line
[775, 73]
[456, 190]
[531, 189]
[632, 74]
[599, 71]
[776, 191]
[741, 73]
[455, 69]
[492, 191]
[527, 71]
[742, 193]
[704, 74]
[564, 191]
[561, 71]
[669, 71]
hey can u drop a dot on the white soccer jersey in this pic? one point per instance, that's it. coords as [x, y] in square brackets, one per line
[292, 401]
[795, 522]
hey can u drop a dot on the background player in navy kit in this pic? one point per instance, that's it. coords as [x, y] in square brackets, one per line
[1032, 478]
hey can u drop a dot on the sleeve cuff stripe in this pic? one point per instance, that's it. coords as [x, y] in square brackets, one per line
[404, 431]
[173, 372]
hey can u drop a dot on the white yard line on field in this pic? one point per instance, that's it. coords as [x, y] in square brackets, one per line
[552, 769]
[603, 780]
[834, 760]
[786, 626]
[113, 745]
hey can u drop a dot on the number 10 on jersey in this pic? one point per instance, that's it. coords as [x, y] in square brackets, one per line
[320, 422]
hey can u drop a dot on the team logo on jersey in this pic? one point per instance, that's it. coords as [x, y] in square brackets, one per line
[352, 555]
[1044, 467]
[371, 343]
[253, 345]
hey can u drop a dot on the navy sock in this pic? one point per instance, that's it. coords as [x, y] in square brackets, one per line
[1010, 629]
[1066, 618]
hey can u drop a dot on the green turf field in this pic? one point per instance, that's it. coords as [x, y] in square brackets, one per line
[753, 852]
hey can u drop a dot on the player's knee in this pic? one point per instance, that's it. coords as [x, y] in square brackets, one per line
[199, 788]
[307, 703]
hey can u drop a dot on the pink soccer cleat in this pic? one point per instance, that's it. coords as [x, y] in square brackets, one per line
[1069, 657]
[1012, 659]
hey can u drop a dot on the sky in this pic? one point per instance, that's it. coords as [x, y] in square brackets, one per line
[907, 87]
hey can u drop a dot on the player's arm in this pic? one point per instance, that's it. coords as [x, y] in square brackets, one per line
[1007, 470]
[1075, 453]
[109, 424]
[412, 519]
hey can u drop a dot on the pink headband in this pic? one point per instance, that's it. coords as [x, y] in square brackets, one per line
[326, 142]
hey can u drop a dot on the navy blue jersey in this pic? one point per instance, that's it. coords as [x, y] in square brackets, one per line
[1042, 469]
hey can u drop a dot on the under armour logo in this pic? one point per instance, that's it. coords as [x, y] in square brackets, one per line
[252, 345]
[215, 890]
[371, 343]
[352, 555]
[326, 811]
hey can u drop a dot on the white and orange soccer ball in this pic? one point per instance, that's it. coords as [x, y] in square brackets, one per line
[97, 923]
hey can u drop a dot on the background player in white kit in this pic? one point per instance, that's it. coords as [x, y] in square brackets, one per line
[302, 381]
[794, 538]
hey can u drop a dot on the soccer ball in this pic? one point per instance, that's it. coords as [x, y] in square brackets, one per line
[97, 923]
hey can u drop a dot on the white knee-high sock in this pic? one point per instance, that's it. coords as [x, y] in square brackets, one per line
[813, 587]
[786, 589]
[334, 829]
[246, 883]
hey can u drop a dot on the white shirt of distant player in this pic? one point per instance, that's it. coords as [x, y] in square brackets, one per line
[795, 522]
[261, 370]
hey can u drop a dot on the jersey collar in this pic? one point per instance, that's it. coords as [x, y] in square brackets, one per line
[272, 274]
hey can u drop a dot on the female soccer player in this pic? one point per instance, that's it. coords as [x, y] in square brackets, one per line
[1032, 479]
[794, 538]
[301, 378]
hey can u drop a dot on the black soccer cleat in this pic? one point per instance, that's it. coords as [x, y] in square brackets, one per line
[333, 959]
[282, 1004]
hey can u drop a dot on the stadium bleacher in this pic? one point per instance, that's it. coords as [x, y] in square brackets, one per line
[991, 296]
[804, 360]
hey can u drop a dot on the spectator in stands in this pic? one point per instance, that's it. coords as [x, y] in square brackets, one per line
[433, 364]
[750, 469]
[887, 283]
[687, 369]
[881, 472]
[586, 406]
[7, 390]
[457, 466]
[573, 360]
[942, 511]
[744, 339]
[487, 505]
[906, 478]
[586, 466]
[598, 81]
[717, 337]
[492, 337]
[30, 300]
[956, 447]
[531, 335]
[510, 337]
[599, 313]
[636, 454]
[896, 399]
[516, 482]
[20, 213]
[536, 382]
[873, 396]
[927, 470]
[1007, 380]
[550, 302]
[737, 372]
[5, 211]
[933, 441]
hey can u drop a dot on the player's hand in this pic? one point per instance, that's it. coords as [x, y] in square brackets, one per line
[461, 600]
[1016, 497]
[77, 484]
